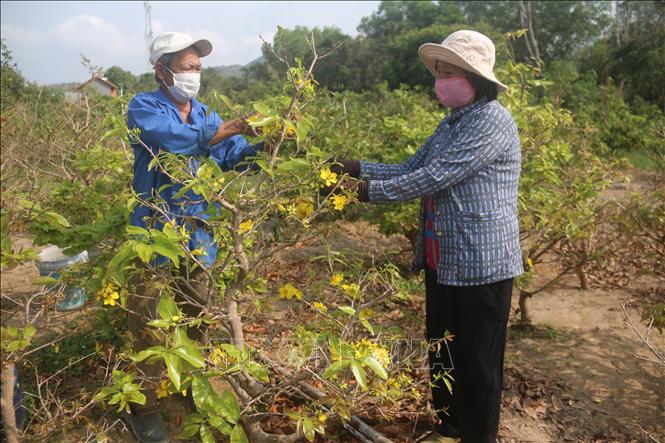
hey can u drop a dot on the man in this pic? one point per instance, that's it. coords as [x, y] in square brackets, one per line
[171, 119]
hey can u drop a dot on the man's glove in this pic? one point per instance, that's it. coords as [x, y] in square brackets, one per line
[341, 167]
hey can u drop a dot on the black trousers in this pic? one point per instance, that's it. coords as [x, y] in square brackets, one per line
[477, 316]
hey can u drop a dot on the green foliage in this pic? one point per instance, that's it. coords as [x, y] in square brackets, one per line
[123, 392]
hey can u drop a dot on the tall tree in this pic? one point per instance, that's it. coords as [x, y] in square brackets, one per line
[560, 28]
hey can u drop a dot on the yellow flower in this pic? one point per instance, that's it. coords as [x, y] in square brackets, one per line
[199, 251]
[322, 418]
[162, 389]
[352, 290]
[184, 392]
[304, 209]
[320, 306]
[288, 291]
[328, 177]
[218, 356]
[245, 226]
[336, 279]
[339, 201]
[529, 262]
[109, 295]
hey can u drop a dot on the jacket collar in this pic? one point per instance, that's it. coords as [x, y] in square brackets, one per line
[457, 114]
[161, 97]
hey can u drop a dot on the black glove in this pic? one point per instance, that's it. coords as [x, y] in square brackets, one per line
[360, 186]
[341, 167]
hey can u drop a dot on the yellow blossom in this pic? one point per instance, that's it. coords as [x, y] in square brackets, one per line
[288, 291]
[162, 389]
[336, 279]
[218, 356]
[320, 306]
[109, 295]
[304, 209]
[322, 418]
[245, 226]
[184, 392]
[328, 177]
[352, 290]
[339, 201]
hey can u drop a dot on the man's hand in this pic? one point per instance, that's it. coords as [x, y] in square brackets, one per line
[228, 129]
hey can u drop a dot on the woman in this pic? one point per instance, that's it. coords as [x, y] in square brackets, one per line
[466, 175]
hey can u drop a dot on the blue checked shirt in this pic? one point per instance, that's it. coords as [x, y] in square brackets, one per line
[162, 128]
[471, 165]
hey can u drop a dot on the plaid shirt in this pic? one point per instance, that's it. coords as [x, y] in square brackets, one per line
[471, 166]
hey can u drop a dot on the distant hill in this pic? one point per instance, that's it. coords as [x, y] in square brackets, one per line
[236, 70]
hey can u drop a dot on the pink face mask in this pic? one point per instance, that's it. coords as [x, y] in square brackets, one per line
[454, 92]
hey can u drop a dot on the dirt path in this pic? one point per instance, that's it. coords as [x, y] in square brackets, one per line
[577, 377]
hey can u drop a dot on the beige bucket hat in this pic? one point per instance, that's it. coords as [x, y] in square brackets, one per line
[470, 50]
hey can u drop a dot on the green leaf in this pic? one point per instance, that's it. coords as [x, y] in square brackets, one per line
[167, 308]
[335, 368]
[189, 431]
[46, 281]
[238, 435]
[347, 310]
[232, 350]
[55, 219]
[202, 393]
[367, 325]
[376, 367]
[173, 366]
[220, 424]
[147, 353]
[229, 400]
[191, 354]
[308, 429]
[293, 165]
[359, 374]
[168, 248]
[143, 251]
[261, 108]
[206, 434]
[29, 332]
[258, 371]
[263, 164]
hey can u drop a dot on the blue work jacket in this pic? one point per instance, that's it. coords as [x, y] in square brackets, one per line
[162, 129]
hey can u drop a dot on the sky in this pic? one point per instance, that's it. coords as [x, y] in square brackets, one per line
[48, 38]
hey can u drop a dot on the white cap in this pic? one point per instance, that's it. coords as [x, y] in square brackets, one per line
[171, 42]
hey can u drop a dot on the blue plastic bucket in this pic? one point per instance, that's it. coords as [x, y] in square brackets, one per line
[50, 262]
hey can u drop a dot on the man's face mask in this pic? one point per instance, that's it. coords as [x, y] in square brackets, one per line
[185, 85]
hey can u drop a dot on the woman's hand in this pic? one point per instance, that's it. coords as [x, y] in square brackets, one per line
[341, 167]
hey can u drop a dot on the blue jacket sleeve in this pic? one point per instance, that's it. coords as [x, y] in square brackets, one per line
[484, 140]
[233, 150]
[159, 129]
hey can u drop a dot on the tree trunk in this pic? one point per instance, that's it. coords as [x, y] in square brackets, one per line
[525, 317]
[7, 403]
[526, 21]
[581, 273]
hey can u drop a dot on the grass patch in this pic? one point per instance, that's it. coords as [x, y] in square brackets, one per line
[640, 160]
[519, 331]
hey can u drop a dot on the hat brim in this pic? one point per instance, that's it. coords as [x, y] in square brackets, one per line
[203, 47]
[431, 52]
